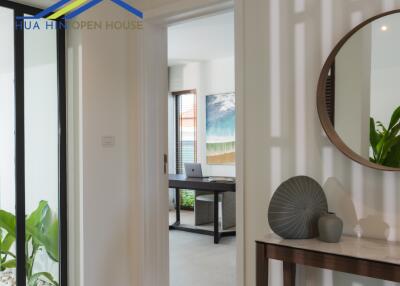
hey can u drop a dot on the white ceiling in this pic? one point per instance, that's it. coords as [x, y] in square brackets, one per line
[37, 3]
[202, 39]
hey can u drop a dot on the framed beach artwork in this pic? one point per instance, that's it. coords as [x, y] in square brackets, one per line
[220, 129]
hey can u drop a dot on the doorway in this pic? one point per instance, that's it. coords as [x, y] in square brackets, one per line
[201, 130]
[151, 177]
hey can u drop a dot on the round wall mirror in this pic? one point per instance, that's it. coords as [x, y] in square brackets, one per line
[359, 93]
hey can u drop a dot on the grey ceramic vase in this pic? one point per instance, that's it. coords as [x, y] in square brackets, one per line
[295, 208]
[330, 228]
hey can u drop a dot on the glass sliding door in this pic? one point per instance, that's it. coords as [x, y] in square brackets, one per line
[41, 155]
[7, 148]
[186, 138]
[33, 226]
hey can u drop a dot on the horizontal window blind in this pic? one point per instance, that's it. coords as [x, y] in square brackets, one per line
[330, 94]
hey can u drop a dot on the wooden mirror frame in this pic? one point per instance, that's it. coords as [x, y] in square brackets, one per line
[321, 100]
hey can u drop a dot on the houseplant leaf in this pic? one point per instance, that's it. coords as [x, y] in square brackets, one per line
[10, 264]
[35, 277]
[393, 157]
[7, 222]
[7, 242]
[52, 234]
[374, 137]
[43, 227]
[41, 216]
[385, 142]
[48, 239]
[386, 148]
[395, 118]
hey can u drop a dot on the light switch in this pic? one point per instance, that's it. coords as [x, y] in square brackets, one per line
[108, 141]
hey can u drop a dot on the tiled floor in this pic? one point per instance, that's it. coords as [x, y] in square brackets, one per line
[187, 217]
[196, 261]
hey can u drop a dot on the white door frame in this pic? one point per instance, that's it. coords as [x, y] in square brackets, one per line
[152, 86]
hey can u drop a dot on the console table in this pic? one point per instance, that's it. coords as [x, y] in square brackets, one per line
[366, 257]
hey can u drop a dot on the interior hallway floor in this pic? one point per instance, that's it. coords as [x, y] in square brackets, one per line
[196, 261]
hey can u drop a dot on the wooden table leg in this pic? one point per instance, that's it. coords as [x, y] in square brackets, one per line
[216, 218]
[262, 265]
[289, 274]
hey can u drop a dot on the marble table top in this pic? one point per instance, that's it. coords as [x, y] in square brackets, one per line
[370, 249]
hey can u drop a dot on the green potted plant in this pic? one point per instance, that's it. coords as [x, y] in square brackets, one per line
[41, 235]
[385, 141]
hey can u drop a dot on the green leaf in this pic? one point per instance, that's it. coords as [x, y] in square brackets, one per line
[41, 217]
[7, 222]
[395, 118]
[52, 235]
[380, 148]
[394, 131]
[7, 242]
[382, 130]
[41, 233]
[374, 137]
[385, 143]
[393, 157]
[390, 142]
[48, 239]
[10, 264]
[40, 275]
[42, 226]
[8, 253]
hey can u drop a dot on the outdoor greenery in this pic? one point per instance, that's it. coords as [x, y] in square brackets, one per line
[187, 199]
[41, 235]
[385, 142]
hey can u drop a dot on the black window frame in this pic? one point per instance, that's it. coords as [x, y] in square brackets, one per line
[20, 10]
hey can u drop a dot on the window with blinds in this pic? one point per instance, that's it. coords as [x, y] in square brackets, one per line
[186, 138]
[186, 128]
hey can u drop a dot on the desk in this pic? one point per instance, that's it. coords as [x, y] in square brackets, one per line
[179, 182]
[366, 257]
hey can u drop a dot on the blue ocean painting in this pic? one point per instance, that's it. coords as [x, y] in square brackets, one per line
[220, 128]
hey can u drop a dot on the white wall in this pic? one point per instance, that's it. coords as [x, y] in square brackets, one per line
[286, 44]
[210, 77]
[99, 99]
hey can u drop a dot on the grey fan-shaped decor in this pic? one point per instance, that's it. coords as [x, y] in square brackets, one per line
[295, 208]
